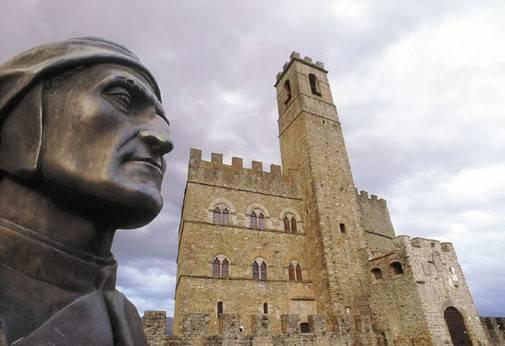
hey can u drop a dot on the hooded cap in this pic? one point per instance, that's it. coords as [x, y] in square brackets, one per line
[23, 71]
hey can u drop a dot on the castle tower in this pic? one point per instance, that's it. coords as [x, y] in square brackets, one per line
[311, 142]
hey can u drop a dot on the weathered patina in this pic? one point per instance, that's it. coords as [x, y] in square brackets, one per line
[82, 139]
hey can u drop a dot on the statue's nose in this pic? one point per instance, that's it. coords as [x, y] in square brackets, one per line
[159, 142]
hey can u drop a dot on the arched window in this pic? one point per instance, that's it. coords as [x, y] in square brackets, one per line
[263, 271]
[377, 273]
[261, 221]
[217, 215]
[291, 272]
[220, 267]
[215, 267]
[396, 268]
[256, 270]
[286, 224]
[287, 88]
[265, 308]
[313, 84]
[293, 225]
[253, 220]
[220, 308]
[225, 217]
[298, 272]
[224, 268]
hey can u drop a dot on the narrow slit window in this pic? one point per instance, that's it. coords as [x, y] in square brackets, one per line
[287, 88]
[220, 308]
[261, 221]
[313, 84]
[256, 270]
[265, 308]
[286, 224]
[298, 272]
[253, 220]
[293, 225]
[263, 271]
[291, 272]
[217, 215]
[226, 216]
[215, 267]
[225, 268]
[343, 228]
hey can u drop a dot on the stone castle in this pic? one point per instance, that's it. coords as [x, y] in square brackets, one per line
[296, 256]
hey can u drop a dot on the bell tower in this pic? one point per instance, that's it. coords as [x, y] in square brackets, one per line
[312, 142]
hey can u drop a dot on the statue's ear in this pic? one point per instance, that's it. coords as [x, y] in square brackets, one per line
[21, 135]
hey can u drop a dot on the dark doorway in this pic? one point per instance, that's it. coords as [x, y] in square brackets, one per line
[304, 327]
[456, 327]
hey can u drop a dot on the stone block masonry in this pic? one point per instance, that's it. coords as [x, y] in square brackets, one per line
[296, 256]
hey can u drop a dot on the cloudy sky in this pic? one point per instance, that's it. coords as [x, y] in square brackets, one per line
[419, 85]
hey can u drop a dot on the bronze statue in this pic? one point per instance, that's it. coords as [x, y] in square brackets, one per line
[82, 139]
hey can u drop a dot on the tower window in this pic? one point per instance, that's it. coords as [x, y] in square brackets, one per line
[217, 215]
[263, 271]
[220, 308]
[313, 84]
[220, 216]
[225, 217]
[304, 327]
[291, 272]
[259, 269]
[293, 225]
[343, 228]
[295, 271]
[224, 268]
[377, 273]
[257, 219]
[256, 270]
[298, 272]
[287, 89]
[286, 224]
[220, 267]
[265, 308]
[261, 221]
[396, 268]
[253, 220]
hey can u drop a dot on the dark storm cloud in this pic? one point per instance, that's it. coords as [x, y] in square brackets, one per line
[418, 85]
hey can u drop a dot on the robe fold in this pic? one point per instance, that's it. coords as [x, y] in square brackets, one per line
[50, 295]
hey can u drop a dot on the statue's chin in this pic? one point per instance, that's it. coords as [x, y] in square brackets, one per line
[138, 211]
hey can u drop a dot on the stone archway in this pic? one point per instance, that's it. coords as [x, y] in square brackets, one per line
[456, 326]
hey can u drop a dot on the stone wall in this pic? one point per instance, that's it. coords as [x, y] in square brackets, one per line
[211, 184]
[495, 329]
[359, 285]
[376, 222]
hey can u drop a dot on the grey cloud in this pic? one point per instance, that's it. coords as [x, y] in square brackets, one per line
[205, 54]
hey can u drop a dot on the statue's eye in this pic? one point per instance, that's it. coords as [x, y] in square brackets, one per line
[121, 95]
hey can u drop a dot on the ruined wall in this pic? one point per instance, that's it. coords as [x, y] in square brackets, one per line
[441, 284]
[379, 232]
[495, 329]
[394, 300]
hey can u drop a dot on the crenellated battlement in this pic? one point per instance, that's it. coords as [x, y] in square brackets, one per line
[235, 175]
[431, 244]
[363, 196]
[295, 56]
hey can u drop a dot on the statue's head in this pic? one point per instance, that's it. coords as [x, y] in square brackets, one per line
[82, 121]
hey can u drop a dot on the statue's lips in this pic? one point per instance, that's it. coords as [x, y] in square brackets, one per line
[150, 162]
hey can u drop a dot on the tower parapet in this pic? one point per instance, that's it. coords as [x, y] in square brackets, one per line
[254, 179]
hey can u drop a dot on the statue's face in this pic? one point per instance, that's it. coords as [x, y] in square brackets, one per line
[105, 134]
